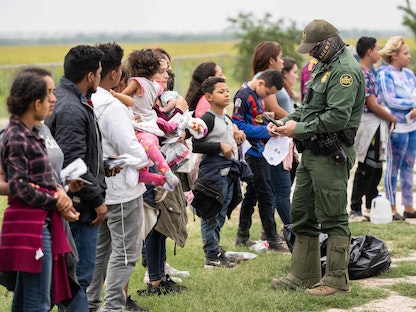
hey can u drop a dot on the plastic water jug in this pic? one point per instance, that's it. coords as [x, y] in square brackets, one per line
[380, 210]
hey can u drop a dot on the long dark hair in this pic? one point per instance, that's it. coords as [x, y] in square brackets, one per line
[26, 88]
[201, 72]
[288, 63]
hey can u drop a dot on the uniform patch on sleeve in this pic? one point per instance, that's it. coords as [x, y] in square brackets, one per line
[346, 80]
[325, 77]
[237, 103]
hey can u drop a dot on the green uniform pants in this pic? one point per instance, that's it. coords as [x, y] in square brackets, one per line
[320, 198]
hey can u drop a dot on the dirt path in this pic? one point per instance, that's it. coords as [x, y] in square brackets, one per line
[394, 302]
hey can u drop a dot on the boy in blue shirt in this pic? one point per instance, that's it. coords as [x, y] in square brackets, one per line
[248, 116]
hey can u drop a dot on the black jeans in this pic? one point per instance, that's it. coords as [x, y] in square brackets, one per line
[366, 181]
[258, 191]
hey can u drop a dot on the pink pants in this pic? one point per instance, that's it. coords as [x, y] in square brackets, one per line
[150, 143]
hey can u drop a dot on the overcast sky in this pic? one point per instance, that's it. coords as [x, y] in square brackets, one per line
[193, 16]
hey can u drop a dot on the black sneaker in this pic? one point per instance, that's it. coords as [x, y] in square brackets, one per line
[278, 246]
[231, 258]
[220, 261]
[170, 286]
[151, 290]
[398, 217]
[131, 305]
[240, 241]
[165, 287]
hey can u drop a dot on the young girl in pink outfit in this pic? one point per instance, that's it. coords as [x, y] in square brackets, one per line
[140, 94]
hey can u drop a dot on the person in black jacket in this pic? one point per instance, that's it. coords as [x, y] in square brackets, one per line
[74, 127]
[219, 172]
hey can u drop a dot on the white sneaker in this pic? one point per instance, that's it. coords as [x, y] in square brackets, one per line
[170, 271]
[174, 272]
[146, 277]
[177, 280]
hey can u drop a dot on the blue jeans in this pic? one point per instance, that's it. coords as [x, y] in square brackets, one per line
[259, 190]
[85, 238]
[32, 291]
[281, 185]
[155, 255]
[210, 230]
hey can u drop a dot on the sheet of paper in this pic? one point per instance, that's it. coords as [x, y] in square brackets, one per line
[276, 150]
[242, 150]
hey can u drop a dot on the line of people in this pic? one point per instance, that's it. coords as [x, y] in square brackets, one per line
[89, 123]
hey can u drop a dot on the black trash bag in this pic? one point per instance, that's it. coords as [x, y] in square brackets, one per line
[289, 237]
[369, 255]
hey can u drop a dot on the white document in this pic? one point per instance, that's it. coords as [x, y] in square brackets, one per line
[242, 150]
[74, 170]
[276, 150]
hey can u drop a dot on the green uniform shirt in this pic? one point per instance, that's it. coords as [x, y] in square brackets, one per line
[338, 97]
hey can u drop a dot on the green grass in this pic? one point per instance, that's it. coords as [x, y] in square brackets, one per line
[404, 289]
[247, 287]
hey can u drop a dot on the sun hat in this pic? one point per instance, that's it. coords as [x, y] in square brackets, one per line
[315, 32]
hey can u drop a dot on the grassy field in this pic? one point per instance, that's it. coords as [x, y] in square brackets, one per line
[15, 55]
[186, 56]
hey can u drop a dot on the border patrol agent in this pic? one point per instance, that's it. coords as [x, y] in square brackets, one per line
[324, 128]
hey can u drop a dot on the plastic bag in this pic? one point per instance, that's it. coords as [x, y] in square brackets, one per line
[259, 246]
[176, 154]
[290, 236]
[369, 255]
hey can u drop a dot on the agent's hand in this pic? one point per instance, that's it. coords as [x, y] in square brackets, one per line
[288, 129]
[271, 128]
[101, 214]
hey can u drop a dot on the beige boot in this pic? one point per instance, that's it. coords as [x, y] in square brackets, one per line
[336, 279]
[305, 270]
